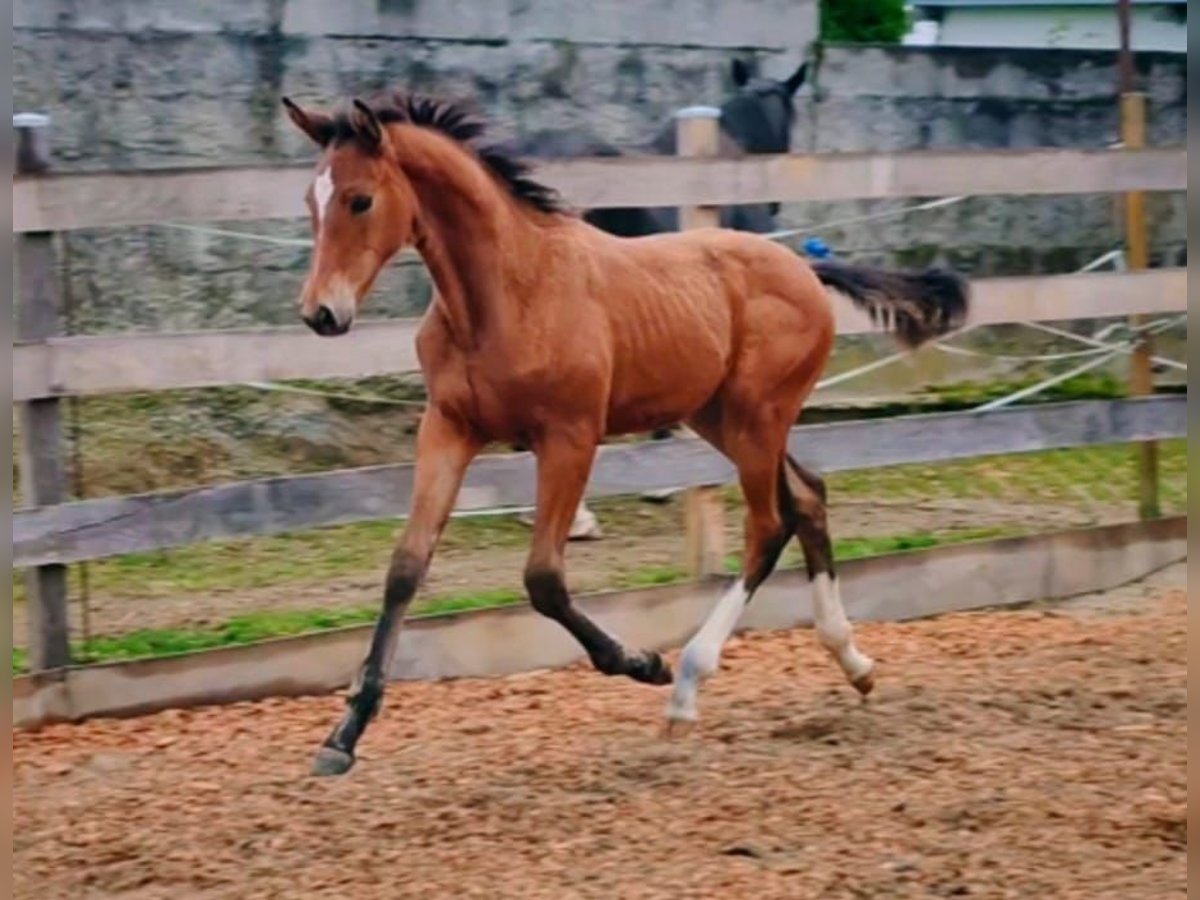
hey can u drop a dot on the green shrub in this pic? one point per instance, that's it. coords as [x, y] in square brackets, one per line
[863, 21]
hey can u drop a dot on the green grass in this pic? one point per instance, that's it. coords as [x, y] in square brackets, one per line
[313, 556]
[858, 548]
[1082, 477]
[846, 549]
[651, 576]
[252, 627]
[1087, 386]
[1078, 476]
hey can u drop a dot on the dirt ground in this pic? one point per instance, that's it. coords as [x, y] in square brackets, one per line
[651, 538]
[1029, 753]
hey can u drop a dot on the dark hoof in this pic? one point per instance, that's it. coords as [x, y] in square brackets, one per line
[332, 761]
[650, 668]
[865, 683]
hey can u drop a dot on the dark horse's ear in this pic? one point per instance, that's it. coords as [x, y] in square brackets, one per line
[740, 72]
[366, 124]
[793, 83]
[318, 126]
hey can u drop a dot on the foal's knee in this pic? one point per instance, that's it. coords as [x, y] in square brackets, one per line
[547, 591]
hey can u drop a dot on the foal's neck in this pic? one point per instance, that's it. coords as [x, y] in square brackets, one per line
[471, 235]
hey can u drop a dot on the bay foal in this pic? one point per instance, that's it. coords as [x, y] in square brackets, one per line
[549, 332]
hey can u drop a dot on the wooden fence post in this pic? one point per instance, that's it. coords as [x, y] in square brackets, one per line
[40, 421]
[1137, 258]
[698, 133]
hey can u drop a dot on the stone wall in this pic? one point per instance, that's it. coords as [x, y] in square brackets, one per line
[914, 98]
[196, 82]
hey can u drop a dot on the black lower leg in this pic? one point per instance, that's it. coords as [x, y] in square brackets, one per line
[366, 695]
[549, 596]
[806, 491]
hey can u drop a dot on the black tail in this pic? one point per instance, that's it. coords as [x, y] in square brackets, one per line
[914, 306]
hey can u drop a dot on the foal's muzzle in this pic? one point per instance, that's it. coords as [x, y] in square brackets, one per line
[325, 323]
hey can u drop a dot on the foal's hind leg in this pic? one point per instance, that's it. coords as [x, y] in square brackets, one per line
[769, 525]
[833, 628]
[564, 462]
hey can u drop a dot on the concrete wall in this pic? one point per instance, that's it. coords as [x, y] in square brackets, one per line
[913, 98]
[1154, 27]
[193, 82]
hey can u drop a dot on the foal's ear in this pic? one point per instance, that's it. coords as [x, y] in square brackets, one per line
[366, 124]
[318, 126]
[740, 72]
[797, 78]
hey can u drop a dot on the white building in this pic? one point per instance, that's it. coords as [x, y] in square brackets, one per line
[1065, 24]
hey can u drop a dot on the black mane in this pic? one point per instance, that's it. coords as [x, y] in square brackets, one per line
[456, 121]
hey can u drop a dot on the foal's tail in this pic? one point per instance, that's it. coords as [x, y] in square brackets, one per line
[916, 307]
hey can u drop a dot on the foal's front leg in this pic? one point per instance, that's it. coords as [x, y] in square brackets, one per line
[444, 450]
[564, 461]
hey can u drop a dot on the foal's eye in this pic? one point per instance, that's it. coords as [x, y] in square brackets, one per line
[360, 204]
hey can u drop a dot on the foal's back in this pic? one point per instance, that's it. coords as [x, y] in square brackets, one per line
[685, 310]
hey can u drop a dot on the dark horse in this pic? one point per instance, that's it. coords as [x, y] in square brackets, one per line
[756, 119]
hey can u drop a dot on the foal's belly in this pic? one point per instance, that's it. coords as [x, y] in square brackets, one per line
[663, 382]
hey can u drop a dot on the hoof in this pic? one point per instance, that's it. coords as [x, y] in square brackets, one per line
[678, 729]
[650, 668]
[332, 761]
[865, 683]
[592, 534]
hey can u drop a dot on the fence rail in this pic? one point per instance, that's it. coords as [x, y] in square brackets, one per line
[80, 366]
[70, 532]
[66, 202]
[47, 365]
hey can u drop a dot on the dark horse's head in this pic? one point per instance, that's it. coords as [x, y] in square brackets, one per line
[759, 118]
[756, 119]
[759, 115]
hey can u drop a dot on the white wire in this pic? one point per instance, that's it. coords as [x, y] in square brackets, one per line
[1000, 357]
[245, 235]
[1042, 385]
[771, 235]
[1101, 260]
[330, 395]
[1112, 350]
[858, 220]
[305, 243]
[1097, 345]
[1095, 342]
[861, 370]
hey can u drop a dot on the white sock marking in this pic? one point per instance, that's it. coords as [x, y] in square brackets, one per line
[834, 630]
[323, 192]
[584, 525]
[703, 652]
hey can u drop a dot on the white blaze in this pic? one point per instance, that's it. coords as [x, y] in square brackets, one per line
[323, 192]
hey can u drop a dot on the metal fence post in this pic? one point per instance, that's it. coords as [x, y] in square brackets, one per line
[43, 481]
[698, 133]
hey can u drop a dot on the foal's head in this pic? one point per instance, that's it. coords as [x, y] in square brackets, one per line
[363, 211]
[364, 205]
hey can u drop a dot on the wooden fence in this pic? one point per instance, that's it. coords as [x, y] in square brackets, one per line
[53, 532]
